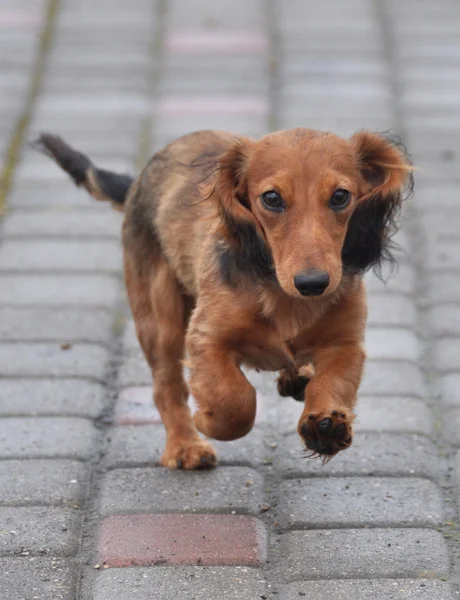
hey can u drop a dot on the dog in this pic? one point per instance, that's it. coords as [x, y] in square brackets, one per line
[252, 252]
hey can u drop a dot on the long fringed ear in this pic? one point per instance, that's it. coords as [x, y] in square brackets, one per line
[386, 173]
[232, 184]
[244, 251]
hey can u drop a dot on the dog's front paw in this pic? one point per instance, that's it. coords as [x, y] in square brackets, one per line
[325, 433]
[186, 454]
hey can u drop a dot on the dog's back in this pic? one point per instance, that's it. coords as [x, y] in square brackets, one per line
[167, 208]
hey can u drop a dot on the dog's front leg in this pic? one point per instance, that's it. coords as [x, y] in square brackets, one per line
[226, 400]
[335, 346]
[330, 397]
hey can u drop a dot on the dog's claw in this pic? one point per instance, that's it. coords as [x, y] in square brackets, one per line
[206, 462]
[180, 463]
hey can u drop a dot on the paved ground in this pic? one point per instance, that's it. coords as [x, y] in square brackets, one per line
[84, 510]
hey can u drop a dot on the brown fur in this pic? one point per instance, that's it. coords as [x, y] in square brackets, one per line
[186, 218]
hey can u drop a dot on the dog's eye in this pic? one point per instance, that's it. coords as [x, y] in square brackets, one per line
[340, 199]
[273, 201]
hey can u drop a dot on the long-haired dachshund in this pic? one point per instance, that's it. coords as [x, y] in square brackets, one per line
[244, 252]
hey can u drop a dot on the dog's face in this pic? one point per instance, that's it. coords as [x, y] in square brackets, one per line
[307, 206]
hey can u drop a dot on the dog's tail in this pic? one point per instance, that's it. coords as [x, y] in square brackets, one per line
[101, 184]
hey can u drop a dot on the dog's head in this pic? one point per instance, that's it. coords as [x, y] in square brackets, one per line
[302, 208]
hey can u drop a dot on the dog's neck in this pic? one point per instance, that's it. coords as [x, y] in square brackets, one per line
[291, 316]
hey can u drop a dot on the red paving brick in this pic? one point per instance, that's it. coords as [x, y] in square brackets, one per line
[181, 539]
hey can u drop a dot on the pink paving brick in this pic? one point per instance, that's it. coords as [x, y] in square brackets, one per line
[211, 104]
[135, 406]
[199, 41]
[181, 539]
[10, 18]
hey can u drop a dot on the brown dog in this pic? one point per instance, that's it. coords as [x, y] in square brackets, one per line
[252, 252]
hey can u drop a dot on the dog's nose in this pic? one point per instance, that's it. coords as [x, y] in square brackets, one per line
[311, 283]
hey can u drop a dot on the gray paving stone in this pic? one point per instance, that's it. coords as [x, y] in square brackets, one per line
[451, 425]
[444, 320]
[391, 310]
[47, 437]
[401, 281]
[438, 141]
[87, 61]
[456, 481]
[59, 290]
[126, 101]
[51, 324]
[51, 360]
[373, 413]
[130, 341]
[224, 489]
[363, 589]
[94, 125]
[446, 354]
[178, 81]
[343, 126]
[180, 65]
[443, 255]
[439, 168]
[229, 14]
[40, 578]
[115, 77]
[362, 553]
[42, 482]
[377, 454]
[134, 370]
[386, 343]
[45, 172]
[394, 414]
[135, 445]
[38, 530]
[231, 583]
[120, 144]
[449, 387]
[54, 255]
[438, 226]
[323, 106]
[63, 223]
[167, 128]
[355, 502]
[391, 378]
[54, 196]
[441, 288]
[51, 397]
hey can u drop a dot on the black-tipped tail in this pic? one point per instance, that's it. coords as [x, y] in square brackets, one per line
[101, 184]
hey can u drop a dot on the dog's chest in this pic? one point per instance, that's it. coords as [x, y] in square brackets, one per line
[264, 358]
[272, 343]
[268, 349]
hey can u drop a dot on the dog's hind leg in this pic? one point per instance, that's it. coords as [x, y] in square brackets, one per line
[159, 308]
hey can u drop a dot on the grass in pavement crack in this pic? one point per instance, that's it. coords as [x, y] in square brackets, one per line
[16, 142]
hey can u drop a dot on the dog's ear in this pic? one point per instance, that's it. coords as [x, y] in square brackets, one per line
[243, 251]
[232, 182]
[386, 173]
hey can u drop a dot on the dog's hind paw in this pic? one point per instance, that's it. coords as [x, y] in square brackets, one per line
[292, 386]
[185, 454]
